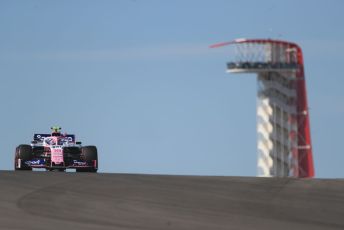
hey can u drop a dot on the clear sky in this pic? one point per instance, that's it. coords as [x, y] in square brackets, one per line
[137, 79]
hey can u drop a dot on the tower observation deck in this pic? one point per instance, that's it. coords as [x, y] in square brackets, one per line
[283, 130]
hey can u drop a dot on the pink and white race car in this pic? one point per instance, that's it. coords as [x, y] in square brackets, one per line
[56, 151]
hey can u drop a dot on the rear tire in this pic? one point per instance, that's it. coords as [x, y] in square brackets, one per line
[89, 154]
[24, 153]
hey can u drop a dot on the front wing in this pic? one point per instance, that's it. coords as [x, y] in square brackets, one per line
[75, 164]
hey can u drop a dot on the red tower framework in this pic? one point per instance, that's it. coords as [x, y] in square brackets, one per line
[284, 140]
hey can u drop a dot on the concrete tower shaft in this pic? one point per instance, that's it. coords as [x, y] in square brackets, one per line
[283, 131]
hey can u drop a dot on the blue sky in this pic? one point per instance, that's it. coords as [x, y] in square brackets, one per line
[137, 79]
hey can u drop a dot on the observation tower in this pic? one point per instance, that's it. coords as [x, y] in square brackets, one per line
[283, 130]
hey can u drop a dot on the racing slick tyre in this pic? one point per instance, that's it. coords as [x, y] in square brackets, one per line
[89, 154]
[23, 153]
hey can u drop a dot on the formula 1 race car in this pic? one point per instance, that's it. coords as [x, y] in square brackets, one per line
[56, 151]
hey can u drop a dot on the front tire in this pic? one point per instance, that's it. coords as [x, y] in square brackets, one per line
[90, 155]
[24, 153]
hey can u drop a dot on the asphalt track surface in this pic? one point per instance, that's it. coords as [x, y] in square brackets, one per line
[55, 200]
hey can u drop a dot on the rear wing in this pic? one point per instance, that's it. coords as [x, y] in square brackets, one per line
[40, 137]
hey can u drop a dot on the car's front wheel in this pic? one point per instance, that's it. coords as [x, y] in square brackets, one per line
[22, 154]
[89, 154]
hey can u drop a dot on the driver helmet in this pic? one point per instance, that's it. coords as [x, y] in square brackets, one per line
[56, 131]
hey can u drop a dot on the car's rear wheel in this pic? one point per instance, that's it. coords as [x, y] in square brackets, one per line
[89, 154]
[23, 153]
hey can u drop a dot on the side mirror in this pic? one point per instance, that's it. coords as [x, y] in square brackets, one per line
[78, 142]
[33, 142]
